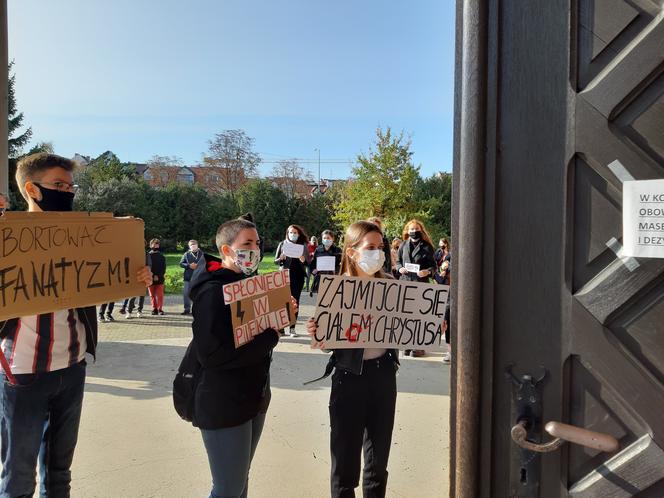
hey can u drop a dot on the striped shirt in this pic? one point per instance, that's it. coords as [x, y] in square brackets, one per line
[44, 343]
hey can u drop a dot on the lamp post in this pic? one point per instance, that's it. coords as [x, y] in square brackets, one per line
[317, 149]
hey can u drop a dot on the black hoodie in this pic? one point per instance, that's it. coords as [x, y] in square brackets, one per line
[234, 384]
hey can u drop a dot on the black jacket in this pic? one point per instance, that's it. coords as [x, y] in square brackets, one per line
[234, 384]
[87, 315]
[387, 266]
[158, 266]
[419, 254]
[187, 259]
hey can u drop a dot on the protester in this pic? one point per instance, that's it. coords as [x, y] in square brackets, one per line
[387, 267]
[294, 235]
[416, 249]
[41, 395]
[106, 312]
[130, 303]
[233, 391]
[394, 253]
[190, 261]
[158, 268]
[4, 203]
[443, 260]
[363, 395]
[327, 248]
[312, 245]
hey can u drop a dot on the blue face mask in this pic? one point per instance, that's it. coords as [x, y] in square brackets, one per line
[327, 242]
[293, 237]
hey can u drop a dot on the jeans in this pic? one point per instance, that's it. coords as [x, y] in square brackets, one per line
[132, 302]
[185, 295]
[361, 421]
[230, 451]
[39, 419]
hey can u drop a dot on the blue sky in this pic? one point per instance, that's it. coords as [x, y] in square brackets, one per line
[162, 76]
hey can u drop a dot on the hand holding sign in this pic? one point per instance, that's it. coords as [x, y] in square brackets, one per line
[292, 250]
[326, 263]
[412, 267]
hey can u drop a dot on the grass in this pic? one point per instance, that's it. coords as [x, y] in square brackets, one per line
[174, 273]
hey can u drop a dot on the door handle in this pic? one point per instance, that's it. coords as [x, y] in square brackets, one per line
[564, 433]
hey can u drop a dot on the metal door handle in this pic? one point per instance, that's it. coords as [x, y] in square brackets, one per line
[562, 433]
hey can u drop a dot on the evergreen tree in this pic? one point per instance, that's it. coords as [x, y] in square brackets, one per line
[16, 143]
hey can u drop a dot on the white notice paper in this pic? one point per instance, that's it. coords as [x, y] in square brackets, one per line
[292, 250]
[643, 218]
[326, 263]
[412, 267]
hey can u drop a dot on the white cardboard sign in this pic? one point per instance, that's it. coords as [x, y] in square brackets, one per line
[412, 267]
[292, 250]
[643, 218]
[326, 263]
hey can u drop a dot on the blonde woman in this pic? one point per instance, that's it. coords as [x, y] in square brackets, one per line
[364, 391]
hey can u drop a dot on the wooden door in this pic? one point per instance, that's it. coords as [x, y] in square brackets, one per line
[558, 102]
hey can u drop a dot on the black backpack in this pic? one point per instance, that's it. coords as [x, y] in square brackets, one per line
[185, 383]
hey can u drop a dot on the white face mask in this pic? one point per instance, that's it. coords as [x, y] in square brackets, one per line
[293, 237]
[193, 248]
[247, 260]
[371, 260]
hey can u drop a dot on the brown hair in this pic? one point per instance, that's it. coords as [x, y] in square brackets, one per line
[425, 234]
[29, 168]
[328, 232]
[354, 235]
[154, 241]
[228, 232]
[302, 239]
[396, 242]
[446, 242]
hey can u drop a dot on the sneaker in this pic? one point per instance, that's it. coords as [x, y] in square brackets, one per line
[128, 316]
[293, 333]
[139, 314]
[109, 318]
[447, 357]
[122, 311]
[161, 312]
[100, 318]
[155, 312]
[185, 312]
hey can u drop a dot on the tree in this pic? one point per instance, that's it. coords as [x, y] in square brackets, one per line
[157, 161]
[383, 185]
[15, 143]
[231, 152]
[435, 194]
[290, 177]
[269, 206]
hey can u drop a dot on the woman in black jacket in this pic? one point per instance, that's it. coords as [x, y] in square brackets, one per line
[158, 267]
[296, 265]
[232, 394]
[416, 249]
[327, 248]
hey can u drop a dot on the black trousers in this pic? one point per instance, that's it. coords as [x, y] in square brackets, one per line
[361, 419]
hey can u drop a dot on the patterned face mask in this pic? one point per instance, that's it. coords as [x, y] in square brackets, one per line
[247, 260]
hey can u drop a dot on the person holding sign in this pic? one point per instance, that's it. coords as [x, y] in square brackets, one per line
[364, 391]
[415, 261]
[43, 358]
[326, 259]
[158, 266]
[292, 254]
[233, 389]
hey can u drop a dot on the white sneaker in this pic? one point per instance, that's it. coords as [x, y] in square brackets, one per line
[139, 314]
[293, 333]
[127, 316]
[447, 357]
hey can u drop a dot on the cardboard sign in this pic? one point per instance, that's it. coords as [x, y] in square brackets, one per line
[643, 218]
[54, 261]
[355, 312]
[326, 263]
[292, 250]
[258, 303]
[412, 267]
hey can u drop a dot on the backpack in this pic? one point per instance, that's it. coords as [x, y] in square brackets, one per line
[185, 383]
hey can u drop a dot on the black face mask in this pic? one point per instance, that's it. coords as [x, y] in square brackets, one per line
[415, 235]
[54, 200]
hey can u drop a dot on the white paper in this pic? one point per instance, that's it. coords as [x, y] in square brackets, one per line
[643, 218]
[326, 263]
[292, 250]
[412, 267]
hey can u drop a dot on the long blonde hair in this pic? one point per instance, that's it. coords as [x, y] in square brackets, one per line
[354, 235]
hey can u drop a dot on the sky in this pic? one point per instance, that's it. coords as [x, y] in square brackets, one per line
[161, 77]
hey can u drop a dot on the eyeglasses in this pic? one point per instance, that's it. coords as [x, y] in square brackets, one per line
[61, 186]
